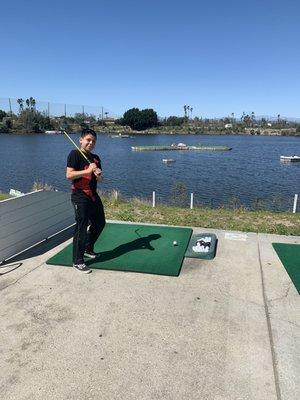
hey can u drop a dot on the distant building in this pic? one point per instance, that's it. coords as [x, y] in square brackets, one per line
[109, 121]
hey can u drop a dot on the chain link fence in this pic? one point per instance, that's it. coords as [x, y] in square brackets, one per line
[14, 106]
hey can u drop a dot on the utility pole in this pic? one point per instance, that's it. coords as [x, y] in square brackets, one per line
[10, 107]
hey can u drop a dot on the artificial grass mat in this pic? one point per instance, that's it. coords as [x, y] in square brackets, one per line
[289, 255]
[136, 248]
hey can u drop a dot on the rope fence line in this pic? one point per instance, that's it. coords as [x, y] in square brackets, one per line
[189, 201]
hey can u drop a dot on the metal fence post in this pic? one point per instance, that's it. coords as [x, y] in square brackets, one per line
[153, 199]
[192, 201]
[295, 203]
[10, 110]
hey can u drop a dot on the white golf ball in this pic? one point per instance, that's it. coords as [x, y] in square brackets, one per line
[175, 243]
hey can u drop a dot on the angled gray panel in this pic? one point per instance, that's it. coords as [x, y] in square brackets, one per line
[29, 219]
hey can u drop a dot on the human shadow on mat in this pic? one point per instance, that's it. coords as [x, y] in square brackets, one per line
[137, 244]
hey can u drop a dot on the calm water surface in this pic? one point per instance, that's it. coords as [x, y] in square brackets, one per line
[250, 171]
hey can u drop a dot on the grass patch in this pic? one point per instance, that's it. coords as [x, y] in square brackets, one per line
[4, 196]
[237, 219]
[281, 223]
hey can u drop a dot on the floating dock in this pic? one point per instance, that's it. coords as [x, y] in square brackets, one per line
[168, 160]
[176, 147]
[290, 158]
[121, 136]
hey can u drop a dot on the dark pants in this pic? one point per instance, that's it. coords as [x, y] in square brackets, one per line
[87, 212]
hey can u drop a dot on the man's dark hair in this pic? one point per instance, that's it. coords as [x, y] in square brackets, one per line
[88, 131]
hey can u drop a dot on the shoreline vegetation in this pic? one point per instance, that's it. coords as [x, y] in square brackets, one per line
[29, 120]
[235, 218]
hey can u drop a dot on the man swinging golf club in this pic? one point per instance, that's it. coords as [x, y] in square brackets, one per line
[84, 170]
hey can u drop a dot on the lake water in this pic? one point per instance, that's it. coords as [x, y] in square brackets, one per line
[249, 172]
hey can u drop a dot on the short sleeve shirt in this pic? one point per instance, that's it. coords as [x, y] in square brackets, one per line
[88, 183]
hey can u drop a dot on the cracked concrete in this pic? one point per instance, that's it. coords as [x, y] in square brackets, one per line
[226, 328]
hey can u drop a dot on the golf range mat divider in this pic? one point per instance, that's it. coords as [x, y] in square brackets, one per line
[202, 245]
[289, 255]
[136, 248]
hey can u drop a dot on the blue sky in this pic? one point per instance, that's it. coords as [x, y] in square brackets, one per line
[217, 56]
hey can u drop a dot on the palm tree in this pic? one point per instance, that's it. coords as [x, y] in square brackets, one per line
[191, 112]
[188, 109]
[278, 118]
[21, 104]
[32, 103]
[184, 108]
[247, 120]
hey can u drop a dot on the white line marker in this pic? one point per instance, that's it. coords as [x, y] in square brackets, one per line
[236, 236]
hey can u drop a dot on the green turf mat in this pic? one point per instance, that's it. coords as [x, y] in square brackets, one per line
[137, 248]
[289, 255]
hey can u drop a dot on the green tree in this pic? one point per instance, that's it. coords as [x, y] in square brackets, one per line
[34, 121]
[140, 120]
[149, 118]
[174, 121]
[8, 123]
[79, 118]
[188, 109]
[2, 114]
[21, 104]
[30, 103]
[263, 122]
[131, 118]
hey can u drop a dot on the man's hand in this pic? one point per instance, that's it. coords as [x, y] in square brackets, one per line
[92, 168]
[98, 174]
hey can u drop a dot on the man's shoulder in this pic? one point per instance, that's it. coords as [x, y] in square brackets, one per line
[95, 156]
[73, 159]
[73, 153]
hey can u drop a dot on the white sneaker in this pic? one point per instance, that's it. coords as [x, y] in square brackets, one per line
[82, 268]
[91, 254]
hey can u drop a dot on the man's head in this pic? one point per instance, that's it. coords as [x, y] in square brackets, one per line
[88, 139]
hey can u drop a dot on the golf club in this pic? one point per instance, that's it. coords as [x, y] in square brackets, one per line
[81, 152]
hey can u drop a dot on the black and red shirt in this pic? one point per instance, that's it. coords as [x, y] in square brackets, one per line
[86, 185]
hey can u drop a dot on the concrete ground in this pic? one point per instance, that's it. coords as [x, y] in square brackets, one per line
[226, 328]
